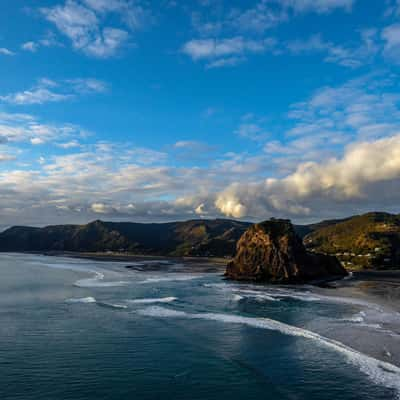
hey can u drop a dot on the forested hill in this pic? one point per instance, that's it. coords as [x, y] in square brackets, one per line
[365, 241]
[191, 238]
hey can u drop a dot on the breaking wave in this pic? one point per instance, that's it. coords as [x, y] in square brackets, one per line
[85, 300]
[380, 372]
[152, 301]
[111, 305]
[276, 293]
[98, 281]
[171, 278]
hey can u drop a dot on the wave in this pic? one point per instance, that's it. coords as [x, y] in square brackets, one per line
[110, 305]
[349, 276]
[151, 301]
[97, 281]
[274, 296]
[88, 300]
[380, 372]
[85, 300]
[173, 278]
[282, 293]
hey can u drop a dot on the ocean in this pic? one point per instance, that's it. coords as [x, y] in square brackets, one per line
[82, 329]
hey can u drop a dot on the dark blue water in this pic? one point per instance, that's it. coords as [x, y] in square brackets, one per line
[70, 334]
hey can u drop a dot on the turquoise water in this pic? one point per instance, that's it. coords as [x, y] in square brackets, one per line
[78, 329]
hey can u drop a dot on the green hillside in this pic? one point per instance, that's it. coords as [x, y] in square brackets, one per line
[191, 238]
[367, 241]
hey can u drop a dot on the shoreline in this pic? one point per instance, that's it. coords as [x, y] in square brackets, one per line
[381, 287]
[110, 257]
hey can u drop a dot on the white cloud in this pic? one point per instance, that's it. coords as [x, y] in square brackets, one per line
[88, 85]
[261, 16]
[16, 128]
[358, 177]
[348, 57]
[49, 91]
[35, 96]
[251, 130]
[256, 19]
[100, 208]
[6, 52]
[85, 23]
[107, 43]
[192, 150]
[223, 52]
[192, 145]
[37, 140]
[339, 155]
[318, 6]
[391, 36]
[82, 26]
[72, 144]
[6, 157]
[30, 46]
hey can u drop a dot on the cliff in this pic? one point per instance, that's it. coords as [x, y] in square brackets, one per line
[272, 252]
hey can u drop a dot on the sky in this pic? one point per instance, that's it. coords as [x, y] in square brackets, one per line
[151, 111]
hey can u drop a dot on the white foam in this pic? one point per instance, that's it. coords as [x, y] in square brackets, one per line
[82, 300]
[97, 281]
[152, 301]
[281, 293]
[349, 276]
[380, 372]
[276, 295]
[237, 297]
[111, 305]
[171, 278]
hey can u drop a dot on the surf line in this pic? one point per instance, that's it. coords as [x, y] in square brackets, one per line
[380, 372]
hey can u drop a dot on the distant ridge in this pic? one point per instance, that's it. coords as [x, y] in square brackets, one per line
[191, 238]
[370, 240]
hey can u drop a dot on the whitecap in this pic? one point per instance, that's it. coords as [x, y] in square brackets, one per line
[81, 300]
[171, 278]
[380, 372]
[151, 301]
[349, 276]
[276, 295]
[111, 305]
[97, 281]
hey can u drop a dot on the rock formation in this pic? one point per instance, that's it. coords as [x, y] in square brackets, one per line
[272, 252]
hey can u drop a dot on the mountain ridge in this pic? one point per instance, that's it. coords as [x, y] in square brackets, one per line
[190, 238]
[353, 240]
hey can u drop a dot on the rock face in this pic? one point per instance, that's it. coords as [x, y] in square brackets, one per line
[272, 252]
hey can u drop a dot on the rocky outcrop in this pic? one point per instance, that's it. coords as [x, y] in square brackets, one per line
[272, 252]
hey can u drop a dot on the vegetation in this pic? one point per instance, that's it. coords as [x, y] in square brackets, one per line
[367, 241]
[191, 238]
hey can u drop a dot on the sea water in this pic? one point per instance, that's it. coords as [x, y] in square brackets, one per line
[81, 329]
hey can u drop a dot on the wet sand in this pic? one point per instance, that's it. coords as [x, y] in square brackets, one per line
[381, 287]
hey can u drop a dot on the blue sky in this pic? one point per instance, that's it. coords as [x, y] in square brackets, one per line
[156, 111]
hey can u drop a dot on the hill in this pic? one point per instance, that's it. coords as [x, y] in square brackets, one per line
[365, 241]
[273, 252]
[191, 238]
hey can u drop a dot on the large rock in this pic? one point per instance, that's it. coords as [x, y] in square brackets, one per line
[272, 252]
